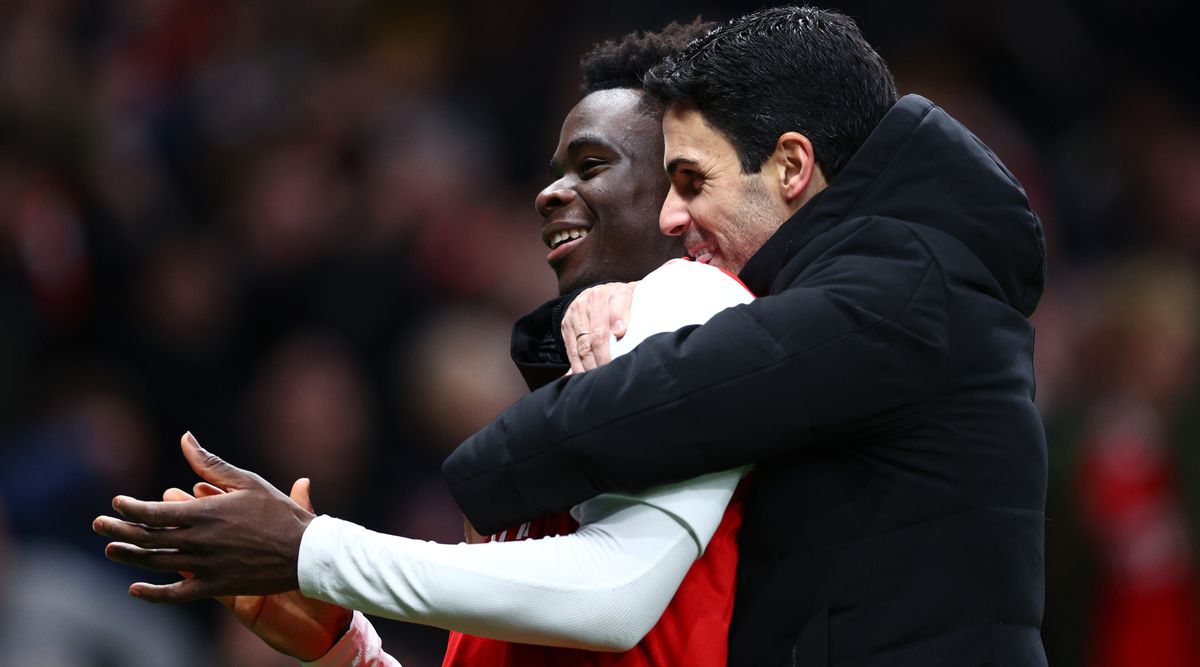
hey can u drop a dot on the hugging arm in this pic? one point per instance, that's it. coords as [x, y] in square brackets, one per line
[856, 335]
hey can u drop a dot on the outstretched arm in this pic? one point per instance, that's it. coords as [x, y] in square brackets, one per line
[634, 551]
[601, 588]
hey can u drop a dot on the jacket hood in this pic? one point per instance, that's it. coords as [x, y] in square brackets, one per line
[922, 166]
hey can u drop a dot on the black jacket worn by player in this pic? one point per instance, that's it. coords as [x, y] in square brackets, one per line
[883, 385]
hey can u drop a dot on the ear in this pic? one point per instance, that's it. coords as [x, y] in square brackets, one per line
[796, 168]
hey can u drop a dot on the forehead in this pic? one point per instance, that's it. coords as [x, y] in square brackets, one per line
[613, 115]
[689, 137]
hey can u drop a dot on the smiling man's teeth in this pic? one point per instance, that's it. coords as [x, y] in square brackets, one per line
[565, 235]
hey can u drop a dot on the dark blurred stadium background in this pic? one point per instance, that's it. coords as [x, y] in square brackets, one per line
[301, 230]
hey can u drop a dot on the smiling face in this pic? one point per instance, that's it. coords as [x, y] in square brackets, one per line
[722, 214]
[599, 213]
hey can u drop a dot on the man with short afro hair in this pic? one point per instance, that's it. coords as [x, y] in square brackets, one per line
[624, 62]
[642, 581]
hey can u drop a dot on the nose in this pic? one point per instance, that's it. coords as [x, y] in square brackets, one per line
[674, 219]
[553, 197]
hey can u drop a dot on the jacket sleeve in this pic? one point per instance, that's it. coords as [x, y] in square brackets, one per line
[855, 339]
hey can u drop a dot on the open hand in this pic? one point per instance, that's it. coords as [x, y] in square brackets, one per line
[245, 541]
[592, 317]
[290, 623]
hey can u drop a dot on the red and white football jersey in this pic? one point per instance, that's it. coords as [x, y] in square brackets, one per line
[693, 629]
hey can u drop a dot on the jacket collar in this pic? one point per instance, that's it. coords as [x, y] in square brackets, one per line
[830, 205]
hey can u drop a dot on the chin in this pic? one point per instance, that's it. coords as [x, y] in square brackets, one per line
[568, 282]
[576, 280]
[564, 288]
[571, 274]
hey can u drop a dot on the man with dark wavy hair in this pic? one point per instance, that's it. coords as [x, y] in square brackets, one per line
[622, 580]
[882, 383]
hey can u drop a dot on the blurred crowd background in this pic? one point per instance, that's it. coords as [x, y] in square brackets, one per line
[302, 229]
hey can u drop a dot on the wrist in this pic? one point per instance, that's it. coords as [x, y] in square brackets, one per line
[330, 625]
[291, 547]
[337, 629]
[342, 626]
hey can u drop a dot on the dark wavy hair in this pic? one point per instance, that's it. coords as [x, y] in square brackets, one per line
[623, 63]
[777, 70]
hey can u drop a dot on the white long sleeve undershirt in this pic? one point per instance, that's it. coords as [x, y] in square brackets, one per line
[600, 588]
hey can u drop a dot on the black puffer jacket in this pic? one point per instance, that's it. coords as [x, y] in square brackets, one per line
[883, 385]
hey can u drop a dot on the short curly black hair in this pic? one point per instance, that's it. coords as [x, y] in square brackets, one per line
[785, 68]
[623, 63]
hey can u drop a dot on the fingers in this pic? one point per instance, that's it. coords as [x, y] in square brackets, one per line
[299, 494]
[619, 306]
[213, 469]
[155, 560]
[200, 489]
[186, 590]
[588, 324]
[206, 490]
[599, 329]
[572, 329]
[134, 534]
[174, 495]
[155, 514]
[583, 361]
[227, 600]
[607, 317]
